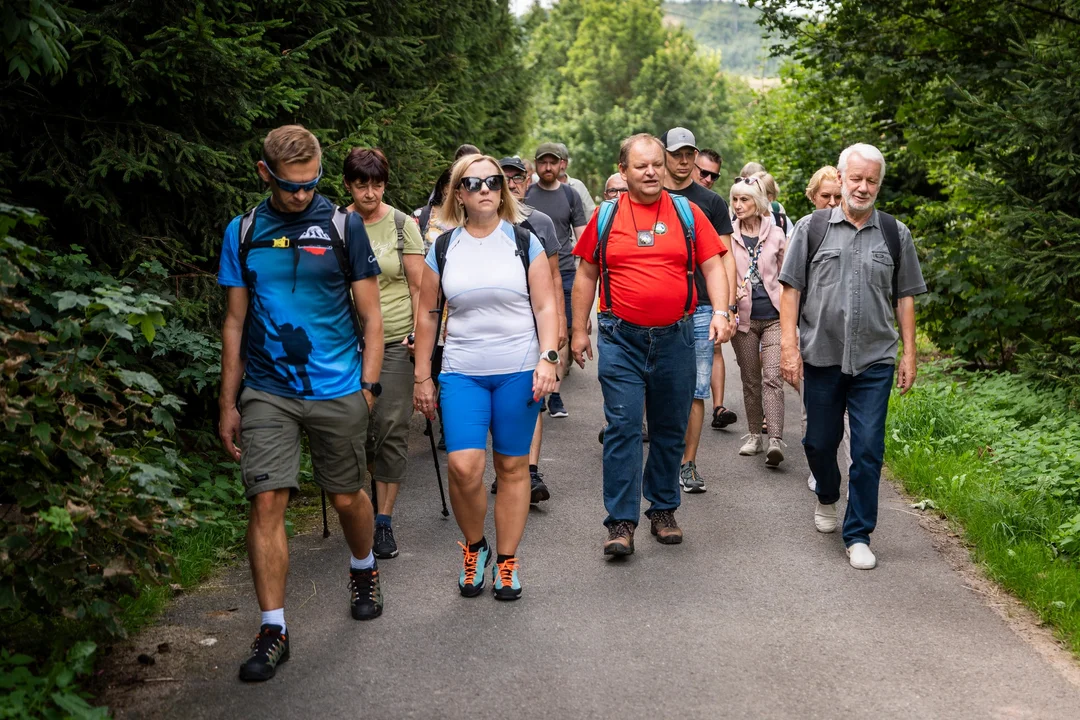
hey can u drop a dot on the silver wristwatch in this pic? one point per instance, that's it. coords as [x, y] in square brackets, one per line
[722, 313]
[552, 356]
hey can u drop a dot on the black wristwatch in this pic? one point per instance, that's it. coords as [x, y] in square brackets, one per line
[733, 308]
[373, 388]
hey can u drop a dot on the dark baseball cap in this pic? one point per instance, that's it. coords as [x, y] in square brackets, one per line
[678, 137]
[550, 148]
[513, 162]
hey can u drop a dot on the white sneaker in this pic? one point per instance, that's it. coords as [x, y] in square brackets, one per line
[825, 518]
[752, 446]
[775, 456]
[861, 557]
[811, 482]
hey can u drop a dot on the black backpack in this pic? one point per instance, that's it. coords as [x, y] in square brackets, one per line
[522, 239]
[819, 227]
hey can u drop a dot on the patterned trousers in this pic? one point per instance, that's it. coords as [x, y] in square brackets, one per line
[758, 354]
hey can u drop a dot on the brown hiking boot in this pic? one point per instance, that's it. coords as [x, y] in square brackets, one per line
[664, 527]
[620, 539]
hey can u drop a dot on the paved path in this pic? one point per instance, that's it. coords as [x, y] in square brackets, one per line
[755, 615]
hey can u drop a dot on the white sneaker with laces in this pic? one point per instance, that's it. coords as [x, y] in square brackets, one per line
[825, 518]
[775, 456]
[752, 446]
[861, 557]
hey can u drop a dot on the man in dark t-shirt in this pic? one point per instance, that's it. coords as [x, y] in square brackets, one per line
[563, 205]
[680, 159]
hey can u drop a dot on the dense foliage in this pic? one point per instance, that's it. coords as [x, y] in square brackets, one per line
[974, 105]
[606, 69]
[730, 27]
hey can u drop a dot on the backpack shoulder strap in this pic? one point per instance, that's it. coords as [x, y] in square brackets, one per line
[891, 231]
[399, 227]
[247, 231]
[779, 220]
[523, 241]
[815, 235]
[605, 217]
[338, 241]
[442, 244]
[686, 219]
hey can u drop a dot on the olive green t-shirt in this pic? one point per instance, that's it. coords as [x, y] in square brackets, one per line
[393, 288]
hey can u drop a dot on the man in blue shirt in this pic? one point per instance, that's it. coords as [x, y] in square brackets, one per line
[301, 282]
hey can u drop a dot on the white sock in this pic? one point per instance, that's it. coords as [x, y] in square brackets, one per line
[365, 564]
[274, 617]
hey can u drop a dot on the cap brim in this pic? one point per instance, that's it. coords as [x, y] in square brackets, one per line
[680, 146]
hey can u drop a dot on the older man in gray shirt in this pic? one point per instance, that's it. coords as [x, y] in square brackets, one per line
[850, 274]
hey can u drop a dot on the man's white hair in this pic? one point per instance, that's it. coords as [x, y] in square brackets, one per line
[866, 152]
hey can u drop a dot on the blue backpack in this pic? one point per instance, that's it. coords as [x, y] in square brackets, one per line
[606, 216]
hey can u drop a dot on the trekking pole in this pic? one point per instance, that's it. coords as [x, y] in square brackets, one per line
[438, 472]
[325, 526]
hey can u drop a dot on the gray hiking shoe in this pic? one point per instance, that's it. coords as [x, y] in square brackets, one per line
[689, 479]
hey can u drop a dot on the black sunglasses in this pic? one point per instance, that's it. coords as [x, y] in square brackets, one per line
[747, 180]
[714, 176]
[473, 184]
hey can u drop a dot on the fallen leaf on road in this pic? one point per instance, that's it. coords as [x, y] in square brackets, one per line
[207, 642]
[927, 504]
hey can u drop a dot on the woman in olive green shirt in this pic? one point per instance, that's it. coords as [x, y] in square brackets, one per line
[395, 240]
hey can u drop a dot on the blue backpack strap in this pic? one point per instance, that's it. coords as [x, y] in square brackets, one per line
[686, 219]
[605, 217]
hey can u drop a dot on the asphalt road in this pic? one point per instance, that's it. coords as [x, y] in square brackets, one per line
[755, 615]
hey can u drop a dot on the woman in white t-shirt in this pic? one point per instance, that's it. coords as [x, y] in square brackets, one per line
[492, 372]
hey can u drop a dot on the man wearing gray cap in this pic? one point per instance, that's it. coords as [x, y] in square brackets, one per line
[579, 187]
[563, 205]
[680, 159]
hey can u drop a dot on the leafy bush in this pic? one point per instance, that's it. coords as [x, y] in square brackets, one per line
[52, 696]
[89, 471]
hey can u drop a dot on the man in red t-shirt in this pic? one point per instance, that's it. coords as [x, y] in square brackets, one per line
[645, 338]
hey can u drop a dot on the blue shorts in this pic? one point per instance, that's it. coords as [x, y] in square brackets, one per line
[568, 288]
[500, 404]
[703, 351]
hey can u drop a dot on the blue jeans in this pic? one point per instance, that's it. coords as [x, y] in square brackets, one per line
[827, 394]
[705, 349]
[638, 367]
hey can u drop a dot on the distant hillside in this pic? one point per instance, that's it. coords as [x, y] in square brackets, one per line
[730, 28]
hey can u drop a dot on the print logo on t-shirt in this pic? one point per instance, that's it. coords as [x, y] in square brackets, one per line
[315, 233]
[660, 228]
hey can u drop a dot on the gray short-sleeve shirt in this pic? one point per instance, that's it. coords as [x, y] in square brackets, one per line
[541, 226]
[848, 319]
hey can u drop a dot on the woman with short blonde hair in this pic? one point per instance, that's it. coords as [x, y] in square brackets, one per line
[823, 190]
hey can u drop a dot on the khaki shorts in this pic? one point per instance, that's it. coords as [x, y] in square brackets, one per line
[388, 431]
[270, 441]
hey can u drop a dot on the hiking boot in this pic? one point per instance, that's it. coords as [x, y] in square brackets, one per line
[367, 602]
[504, 580]
[385, 545]
[689, 479]
[775, 456]
[270, 649]
[538, 491]
[620, 538]
[752, 446]
[556, 409]
[471, 580]
[722, 417]
[664, 527]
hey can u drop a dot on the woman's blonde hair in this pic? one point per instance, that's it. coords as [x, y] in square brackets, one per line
[772, 190]
[824, 173]
[755, 189]
[452, 212]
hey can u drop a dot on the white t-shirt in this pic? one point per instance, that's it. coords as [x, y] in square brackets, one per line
[489, 328]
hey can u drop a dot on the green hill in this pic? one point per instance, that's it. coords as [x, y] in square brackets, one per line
[729, 27]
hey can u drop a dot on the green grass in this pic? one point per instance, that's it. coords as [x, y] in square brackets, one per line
[999, 459]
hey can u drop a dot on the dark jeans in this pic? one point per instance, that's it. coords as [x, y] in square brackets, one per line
[866, 397]
[639, 367]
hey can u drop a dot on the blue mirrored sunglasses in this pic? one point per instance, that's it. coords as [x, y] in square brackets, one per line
[292, 187]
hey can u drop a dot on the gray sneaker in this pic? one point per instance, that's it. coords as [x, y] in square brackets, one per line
[689, 479]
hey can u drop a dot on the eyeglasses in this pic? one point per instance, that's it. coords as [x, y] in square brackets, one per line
[748, 181]
[615, 191]
[473, 184]
[294, 187]
[708, 174]
[515, 179]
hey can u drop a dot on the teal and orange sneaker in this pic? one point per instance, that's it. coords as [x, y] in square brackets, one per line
[504, 580]
[270, 649]
[471, 580]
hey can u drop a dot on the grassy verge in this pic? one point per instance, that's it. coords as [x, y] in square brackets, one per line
[1001, 459]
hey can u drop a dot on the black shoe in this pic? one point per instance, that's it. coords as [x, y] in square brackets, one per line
[270, 649]
[442, 442]
[385, 545]
[722, 417]
[495, 486]
[538, 490]
[555, 406]
[367, 602]
[602, 431]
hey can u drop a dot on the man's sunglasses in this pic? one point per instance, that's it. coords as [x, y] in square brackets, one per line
[748, 181]
[293, 187]
[473, 184]
[714, 176]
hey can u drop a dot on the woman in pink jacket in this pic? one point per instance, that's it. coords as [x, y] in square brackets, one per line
[758, 245]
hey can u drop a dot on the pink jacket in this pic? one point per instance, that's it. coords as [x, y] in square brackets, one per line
[769, 262]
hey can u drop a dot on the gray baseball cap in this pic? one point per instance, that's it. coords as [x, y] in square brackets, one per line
[678, 137]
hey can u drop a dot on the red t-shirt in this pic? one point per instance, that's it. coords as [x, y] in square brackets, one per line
[648, 283]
